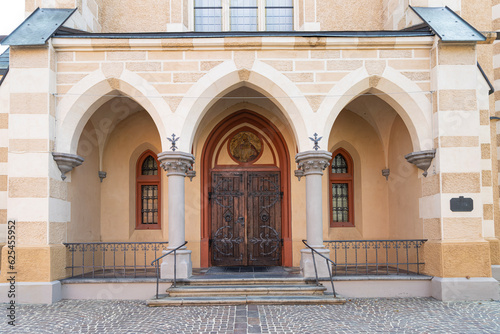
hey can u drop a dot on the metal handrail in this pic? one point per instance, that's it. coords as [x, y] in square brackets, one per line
[175, 265]
[327, 264]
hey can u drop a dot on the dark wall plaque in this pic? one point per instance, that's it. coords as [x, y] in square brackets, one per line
[461, 204]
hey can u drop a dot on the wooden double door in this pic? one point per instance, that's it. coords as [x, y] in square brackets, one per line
[245, 218]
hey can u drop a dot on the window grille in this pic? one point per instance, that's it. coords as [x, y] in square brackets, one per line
[340, 202]
[341, 190]
[243, 15]
[149, 197]
[149, 166]
[339, 165]
[208, 15]
[279, 15]
[148, 190]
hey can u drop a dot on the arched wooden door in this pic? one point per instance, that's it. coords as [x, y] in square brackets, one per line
[246, 211]
[246, 218]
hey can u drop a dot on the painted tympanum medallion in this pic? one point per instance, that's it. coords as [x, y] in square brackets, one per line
[245, 146]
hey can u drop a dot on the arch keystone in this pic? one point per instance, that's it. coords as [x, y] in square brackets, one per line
[374, 80]
[244, 74]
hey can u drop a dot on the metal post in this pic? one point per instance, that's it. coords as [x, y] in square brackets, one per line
[331, 279]
[407, 259]
[315, 270]
[83, 261]
[175, 268]
[125, 249]
[73, 263]
[417, 246]
[93, 261]
[157, 279]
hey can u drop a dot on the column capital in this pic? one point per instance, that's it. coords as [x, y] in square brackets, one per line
[66, 162]
[312, 162]
[177, 163]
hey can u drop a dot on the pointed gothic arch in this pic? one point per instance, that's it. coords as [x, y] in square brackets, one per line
[283, 160]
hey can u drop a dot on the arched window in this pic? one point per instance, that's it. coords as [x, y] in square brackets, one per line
[148, 189]
[341, 190]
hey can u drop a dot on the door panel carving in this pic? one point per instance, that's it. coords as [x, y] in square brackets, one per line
[228, 235]
[246, 218]
[264, 218]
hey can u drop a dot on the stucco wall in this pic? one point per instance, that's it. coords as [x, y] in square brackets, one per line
[404, 187]
[338, 15]
[129, 139]
[357, 136]
[139, 16]
[84, 193]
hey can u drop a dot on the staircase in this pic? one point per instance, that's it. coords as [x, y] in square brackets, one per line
[237, 291]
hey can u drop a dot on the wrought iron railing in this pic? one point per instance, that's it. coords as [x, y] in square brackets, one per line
[328, 264]
[113, 259]
[376, 257]
[157, 261]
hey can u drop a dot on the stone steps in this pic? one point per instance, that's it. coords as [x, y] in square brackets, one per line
[241, 300]
[245, 291]
[245, 281]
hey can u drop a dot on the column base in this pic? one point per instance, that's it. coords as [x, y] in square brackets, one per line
[31, 292]
[184, 265]
[307, 264]
[458, 288]
[495, 272]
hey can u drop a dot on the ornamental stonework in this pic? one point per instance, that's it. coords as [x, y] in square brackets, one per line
[245, 147]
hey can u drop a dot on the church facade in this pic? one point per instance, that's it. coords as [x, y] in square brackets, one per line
[245, 127]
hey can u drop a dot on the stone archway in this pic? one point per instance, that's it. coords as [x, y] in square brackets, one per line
[248, 225]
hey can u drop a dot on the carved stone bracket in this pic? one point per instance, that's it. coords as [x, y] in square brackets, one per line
[102, 175]
[386, 172]
[421, 159]
[66, 162]
[177, 163]
[312, 162]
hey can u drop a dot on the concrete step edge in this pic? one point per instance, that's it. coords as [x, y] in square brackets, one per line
[245, 287]
[249, 293]
[280, 300]
[249, 281]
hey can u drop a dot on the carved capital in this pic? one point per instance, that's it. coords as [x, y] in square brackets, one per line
[177, 163]
[312, 162]
[421, 159]
[66, 162]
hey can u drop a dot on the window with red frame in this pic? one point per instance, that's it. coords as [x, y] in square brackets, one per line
[341, 190]
[148, 189]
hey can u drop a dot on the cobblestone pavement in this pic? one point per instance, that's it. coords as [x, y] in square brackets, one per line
[412, 315]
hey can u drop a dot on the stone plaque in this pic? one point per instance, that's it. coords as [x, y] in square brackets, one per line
[461, 204]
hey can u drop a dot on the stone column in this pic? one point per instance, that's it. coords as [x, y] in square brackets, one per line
[176, 164]
[311, 165]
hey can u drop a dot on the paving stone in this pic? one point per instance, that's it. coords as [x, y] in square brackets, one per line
[409, 315]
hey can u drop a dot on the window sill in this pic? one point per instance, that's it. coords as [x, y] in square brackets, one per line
[341, 224]
[146, 228]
